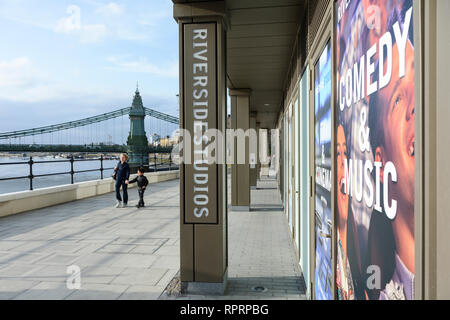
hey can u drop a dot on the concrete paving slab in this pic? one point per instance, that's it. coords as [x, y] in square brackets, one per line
[46, 291]
[37, 247]
[137, 276]
[98, 292]
[142, 293]
[9, 289]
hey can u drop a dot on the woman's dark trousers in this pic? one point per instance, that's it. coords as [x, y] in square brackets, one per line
[124, 190]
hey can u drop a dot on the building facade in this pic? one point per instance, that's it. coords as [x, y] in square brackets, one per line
[354, 92]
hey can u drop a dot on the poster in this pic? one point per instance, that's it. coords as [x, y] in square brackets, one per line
[323, 178]
[375, 149]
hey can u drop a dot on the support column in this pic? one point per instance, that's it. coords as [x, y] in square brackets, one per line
[258, 152]
[431, 197]
[264, 152]
[240, 172]
[254, 155]
[203, 183]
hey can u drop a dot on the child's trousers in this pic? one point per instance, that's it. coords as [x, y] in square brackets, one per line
[141, 197]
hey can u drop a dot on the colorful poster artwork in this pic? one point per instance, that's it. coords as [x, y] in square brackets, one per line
[375, 149]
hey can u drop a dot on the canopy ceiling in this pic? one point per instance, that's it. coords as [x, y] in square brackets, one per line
[260, 42]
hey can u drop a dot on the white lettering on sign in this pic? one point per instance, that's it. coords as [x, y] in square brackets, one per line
[357, 82]
[358, 175]
[342, 8]
[200, 112]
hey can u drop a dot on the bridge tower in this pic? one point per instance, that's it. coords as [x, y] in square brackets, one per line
[137, 140]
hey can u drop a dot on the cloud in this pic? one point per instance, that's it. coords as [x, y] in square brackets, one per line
[128, 34]
[111, 8]
[16, 72]
[70, 23]
[141, 65]
[22, 81]
[89, 33]
[93, 33]
[155, 18]
[142, 22]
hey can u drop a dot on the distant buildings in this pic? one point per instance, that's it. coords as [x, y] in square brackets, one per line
[155, 140]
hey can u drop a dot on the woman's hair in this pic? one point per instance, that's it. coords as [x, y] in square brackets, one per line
[126, 156]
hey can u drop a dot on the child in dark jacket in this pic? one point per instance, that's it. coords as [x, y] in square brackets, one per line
[142, 185]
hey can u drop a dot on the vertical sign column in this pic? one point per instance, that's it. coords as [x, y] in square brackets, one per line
[200, 114]
[203, 211]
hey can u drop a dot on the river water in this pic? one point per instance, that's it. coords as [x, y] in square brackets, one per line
[20, 170]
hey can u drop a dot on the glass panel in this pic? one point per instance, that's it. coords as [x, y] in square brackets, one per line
[323, 181]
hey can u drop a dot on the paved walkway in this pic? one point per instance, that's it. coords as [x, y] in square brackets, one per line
[124, 253]
[262, 262]
[134, 254]
[261, 253]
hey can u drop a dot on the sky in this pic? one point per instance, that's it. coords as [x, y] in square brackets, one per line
[67, 60]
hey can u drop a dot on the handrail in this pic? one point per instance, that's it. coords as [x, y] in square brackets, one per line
[164, 165]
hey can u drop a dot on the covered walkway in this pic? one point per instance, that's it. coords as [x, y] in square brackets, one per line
[262, 262]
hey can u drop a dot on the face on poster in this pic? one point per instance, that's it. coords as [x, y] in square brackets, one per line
[323, 179]
[375, 149]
